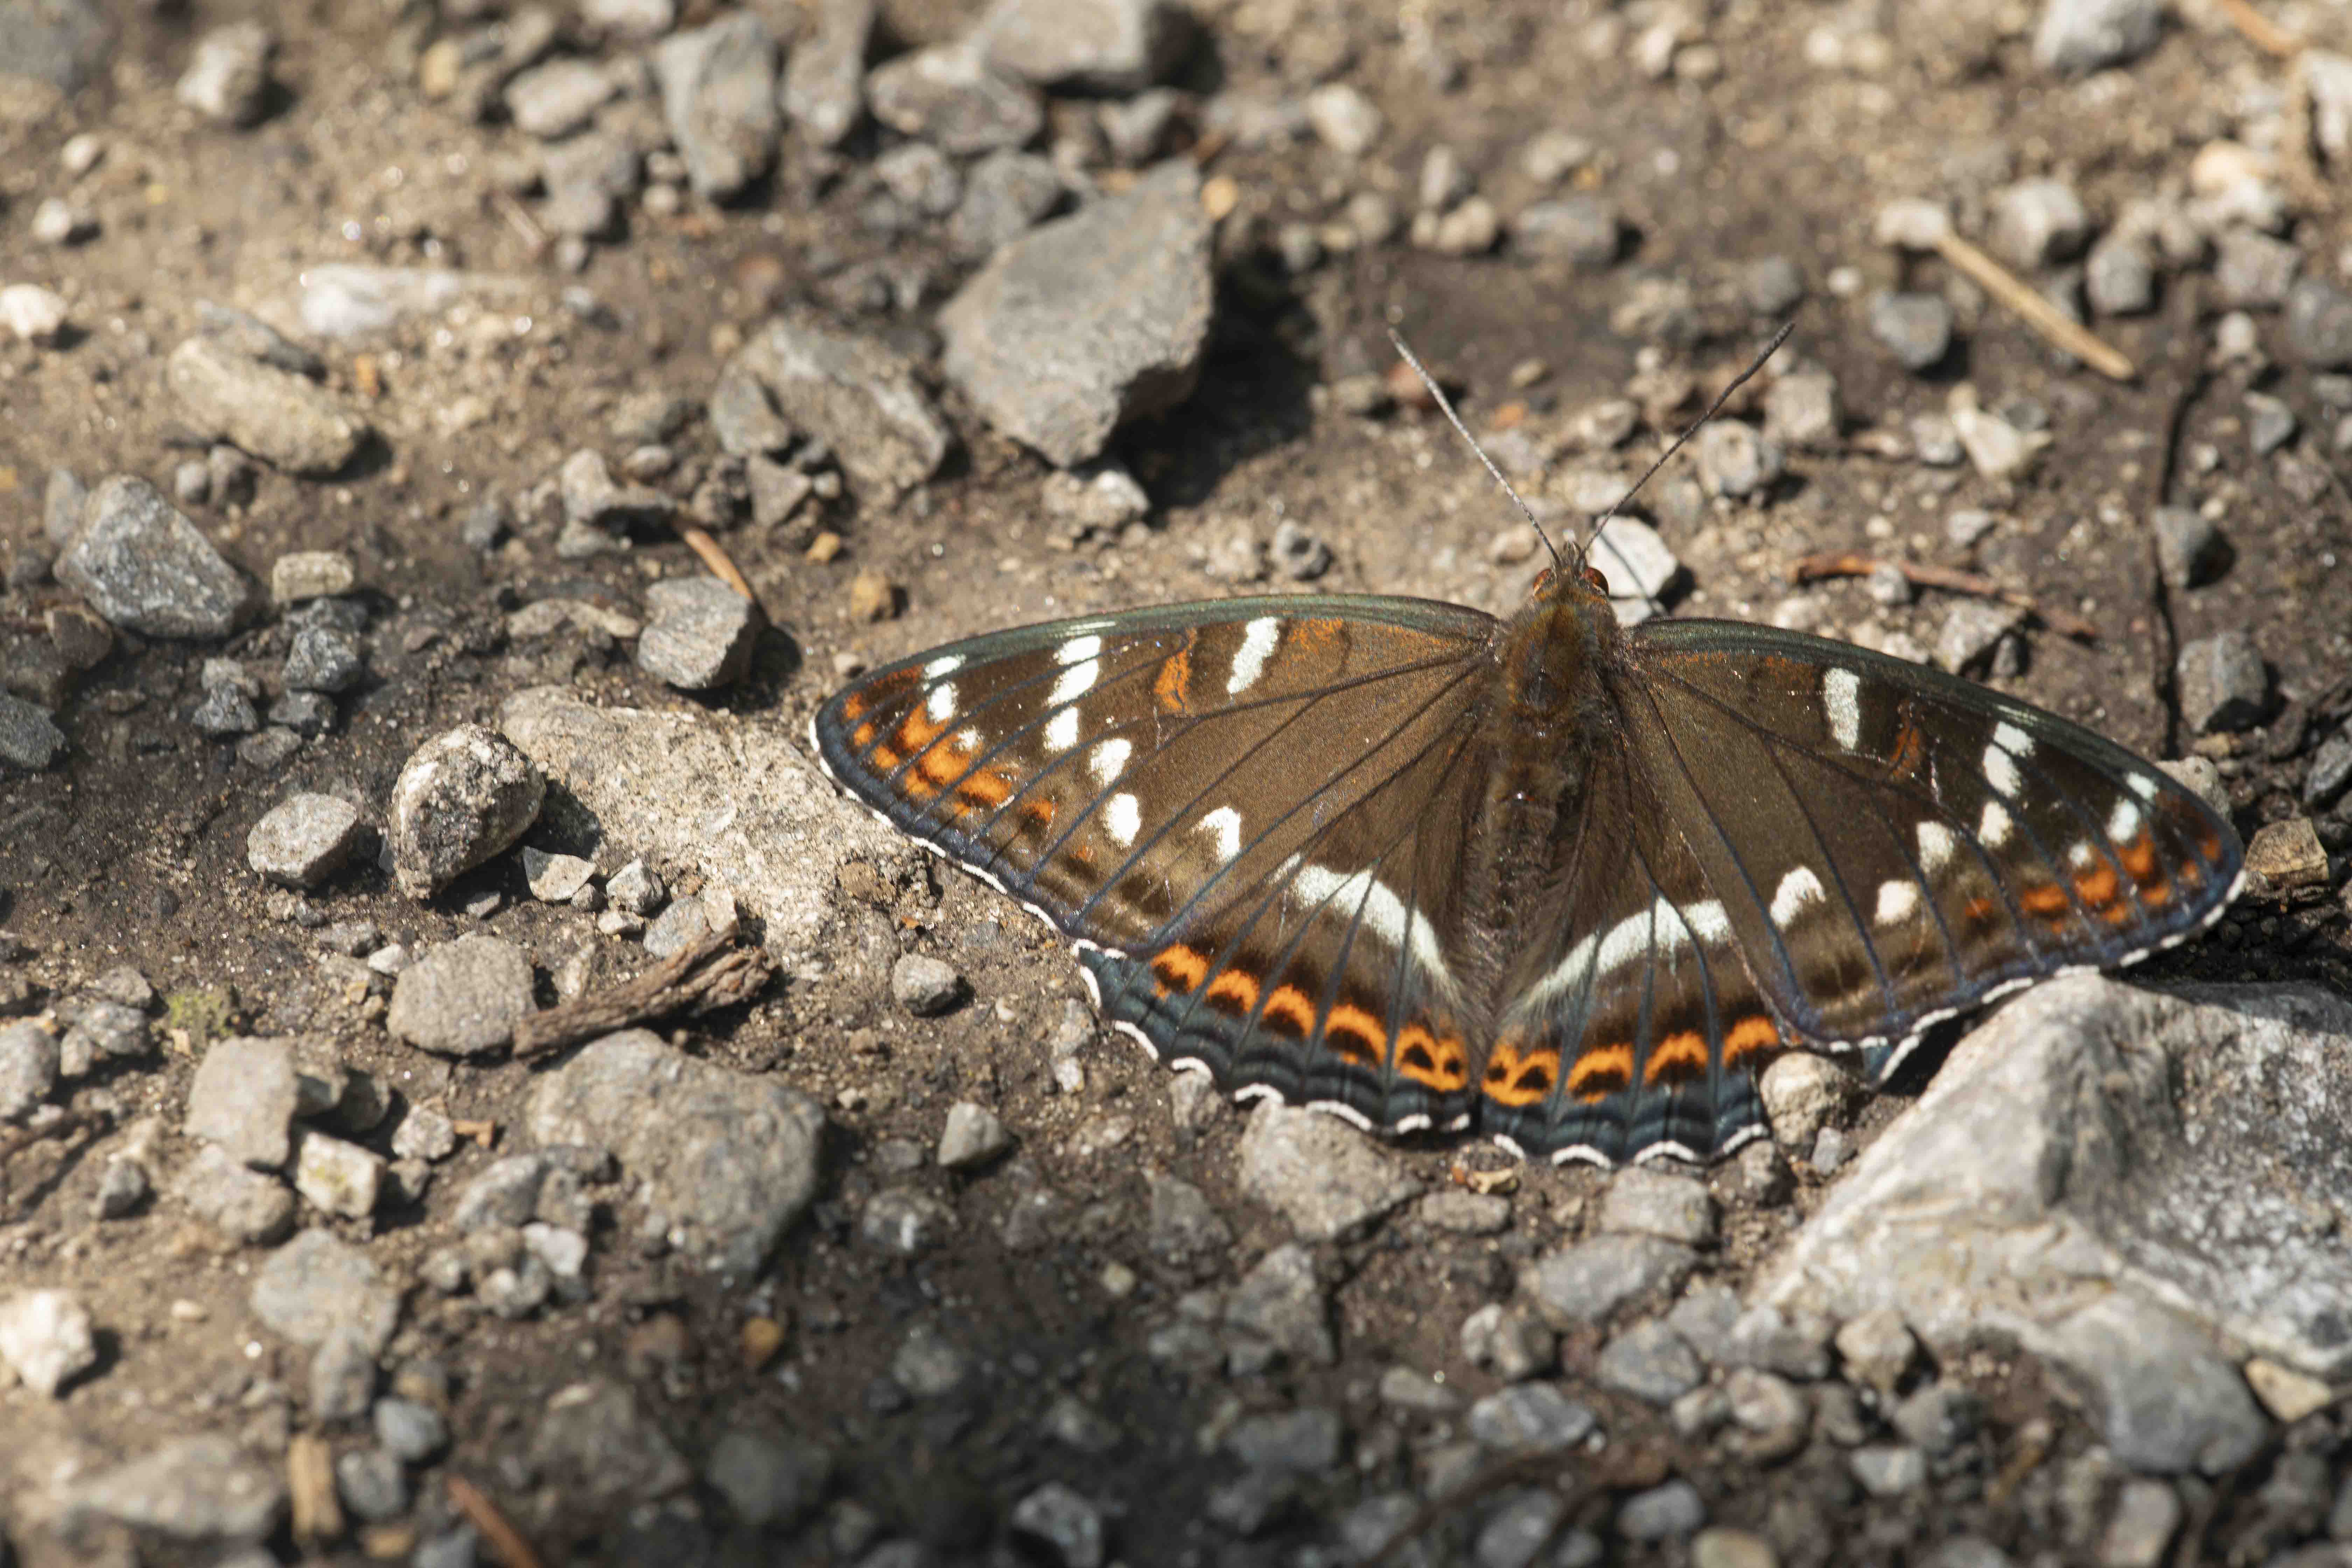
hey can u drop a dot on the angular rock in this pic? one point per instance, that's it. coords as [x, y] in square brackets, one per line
[243, 1098]
[1530, 1416]
[1006, 195]
[825, 78]
[1587, 1282]
[730, 1158]
[462, 998]
[338, 1178]
[462, 797]
[699, 632]
[854, 393]
[1064, 1521]
[974, 1136]
[1293, 1442]
[2079, 35]
[317, 1283]
[46, 1338]
[236, 1201]
[35, 314]
[926, 986]
[279, 418]
[1584, 230]
[1324, 1177]
[29, 739]
[1649, 1362]
[718, 96]
[559, 97]
[2224, 685]
[324, 658]
[949, 96]
[227, 78]
[598, 1446]
[1089, 320]
[1283, 1303]
[1111, 47]
[2190, 550]
[200, 1488]
[145, 568]
[1659, 1203]
[303, 839]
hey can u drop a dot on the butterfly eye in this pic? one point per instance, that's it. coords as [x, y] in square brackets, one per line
[1593, 576]
[1543, 581]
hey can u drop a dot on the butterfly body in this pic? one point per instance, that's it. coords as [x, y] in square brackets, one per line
[1570, 885]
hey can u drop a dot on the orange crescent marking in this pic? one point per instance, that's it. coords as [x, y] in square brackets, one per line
[2048, 900]
[863, 736]
[854, 705]
[987, 786]
[1349, 1020]
[1753, 1032]
[1677, 1055]
[2139, 859]
[1179, 967]
[1600, 1072]
[1169, 687]
[1434, 1062]
[2155, 894]
[1289, 1003]
[1233, 991]
[1503, 1060]
[1526, 1076]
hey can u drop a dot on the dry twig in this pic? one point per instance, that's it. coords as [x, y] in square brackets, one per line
[712, 972]
[722, 566]
[2028, 303]
[2261, 31]
[1854, 564]
[505, 1543]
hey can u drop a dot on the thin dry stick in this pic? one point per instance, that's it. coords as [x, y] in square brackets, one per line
[2261, 31]
[712, 972]
[1854, 564]
[722, 567]
[2062, 329]
[505, 1541]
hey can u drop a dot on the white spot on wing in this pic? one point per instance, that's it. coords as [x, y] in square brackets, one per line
[1077, 680]
[1936, 843]
[1122, 818]
[2143, 787]
[1994, 825]
[1226, 824]
[1662, 928]
[1109, 760]
[1078, 650]
[1384, 913]
[1897, 898]
[2123, 823]
[1708, 920]
[1257, 645]
[2012, 740]
[2083, 856]
[1797, 889]
[942, 704]
[1062, 730]
[2000, 770]
[1842, 700]
[945, 665]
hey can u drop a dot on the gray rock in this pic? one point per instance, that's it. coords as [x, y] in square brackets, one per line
[1974, 633]
[592, 499]
[2039, 222]
[825, 78]
[1588, 1281]
[2190, 550]
[1888, 1470]
[1641, 569]
[342, 1376]
[1659, 1203]
[742, 415]
[2119, 276]
[1801, 410]
[303, 839]
[1324, 1177]
[423, 1133]
[660, 781]
[238, 1202]
[123, 1187]
[1283, 1303]
[2331, 770]
[2254, 271]
[1512, 1343]
[1649, 1362]
[2318, 325]
[2270, 423]
[1293, 1442]
[929, 1366]
[1795, 1343]
[557, 98]
[1108, 47]
[324, 658]
[636, 888]
[227, 78]
[62, 501]
[2140, 1529]
[408, 1431]
[719, 96]
[243, 1098]
[225, 710]
[555, 878]
[462, 797]
[1465, 1213]
[973, 1136]
[1343, 118]
[317, 1283]
[859, 397]
[280, 417]
[2224, 685]
[731, 1159]
[1417, 1393]
[1530, 1417]
[699, 632]
[515, 1290]
[2081, 35]
[46, 1338]
[769, 1480]
[462, 998]
[372, 1484]
[921, 177]
[1877, 1348]
[904, 1223]
[949, 96]
[926, 986]
[1299, 555]
[1184, 1227]
[28, 739]
[200, 1488]
[336, 1177]
[1584, 230]
[144, 567]
[2188, 1189]
[777, 490]
[1522, 1528]
[1917, 329]
[1090, 320]
[1937, 1418]
[1064, 1521]
[1801, 1092]
[1006, 195]
[1666, 1513]
[681, 925]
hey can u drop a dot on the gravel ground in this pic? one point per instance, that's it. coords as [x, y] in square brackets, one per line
[362, 372]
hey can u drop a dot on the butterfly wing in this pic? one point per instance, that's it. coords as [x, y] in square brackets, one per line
[1246, 814]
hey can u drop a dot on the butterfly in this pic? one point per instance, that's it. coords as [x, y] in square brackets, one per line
[1563, 883]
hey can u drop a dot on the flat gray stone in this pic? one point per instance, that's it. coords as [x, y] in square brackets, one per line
[858, 395]
[730, 1158]
[706, 793]
[1588, 1281]
[1659, 1203]
[974, 1135]
[1583, 229]
[2099, 1174]
[317, 1283]
[1005, 195]
[29, 739]
[2224, 685]
[342, 1376]
[948, 95]
[769, 1480]
[145, 568]
[1294, 1442]
[1109, 47]
[1649, 1362]
[926, 986]
[199, 1489]
[234, 1199]
[461, 797]
[699, 632]
[242, 1099]
[282, 418]
[303, 839]
[2318, 324]
[1915, 328]
[1530, 1416]
[719, 96]
[1323, 1176]
[462, 998]
[1090, 320]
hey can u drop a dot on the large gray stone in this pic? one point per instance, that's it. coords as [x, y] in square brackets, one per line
[1322, 1175]
[317, 1283]
[2112, 1177]
[949, 96]
[1092, 46]
[825, 78]
[29, 739]
[1090, 320]
[190, 1488]
[462, 998]
[242, 1101]
[731, 1159]
[277, 416]
[144, 567]
[461, 797]
[735, 802]
[718, 95]
[856, 395]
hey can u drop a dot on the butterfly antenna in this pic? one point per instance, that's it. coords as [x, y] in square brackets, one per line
[1438, 393]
